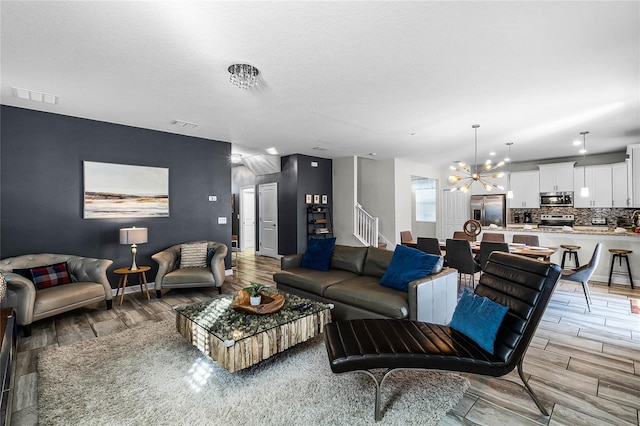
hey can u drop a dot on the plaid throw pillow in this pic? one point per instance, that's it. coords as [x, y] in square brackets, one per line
[193, 255]
[50, 275]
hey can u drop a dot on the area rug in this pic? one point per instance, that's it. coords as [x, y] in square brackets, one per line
[153, 376]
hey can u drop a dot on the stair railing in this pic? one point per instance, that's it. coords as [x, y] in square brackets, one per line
[365, 227]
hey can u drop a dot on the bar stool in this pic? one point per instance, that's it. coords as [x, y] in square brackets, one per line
[620, 254]
[570, 250]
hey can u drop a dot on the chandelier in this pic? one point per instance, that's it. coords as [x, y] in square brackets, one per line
[243, 75]
[463, 183]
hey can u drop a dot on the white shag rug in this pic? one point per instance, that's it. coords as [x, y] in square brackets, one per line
[153, 376]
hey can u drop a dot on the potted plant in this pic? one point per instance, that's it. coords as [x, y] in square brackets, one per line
[255, 293]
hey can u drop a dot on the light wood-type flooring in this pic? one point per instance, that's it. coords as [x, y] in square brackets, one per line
[585, 366]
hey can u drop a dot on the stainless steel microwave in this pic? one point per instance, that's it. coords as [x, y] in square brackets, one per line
[550, 199]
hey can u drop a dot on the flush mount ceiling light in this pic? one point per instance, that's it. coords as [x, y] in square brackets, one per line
[243, 75]
[32, 95]
[584, 191]
[272, 151]
[463, 183]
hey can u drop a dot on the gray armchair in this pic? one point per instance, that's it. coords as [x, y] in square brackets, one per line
[583, 274]
[170, 275]
[89, 285]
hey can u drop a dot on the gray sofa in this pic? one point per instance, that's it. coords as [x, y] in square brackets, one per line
[90, 285]
[352, 285]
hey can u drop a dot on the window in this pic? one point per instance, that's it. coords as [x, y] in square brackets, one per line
[425, 193]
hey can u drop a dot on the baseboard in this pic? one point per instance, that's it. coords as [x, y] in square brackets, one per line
[133, 289]
[615, 279]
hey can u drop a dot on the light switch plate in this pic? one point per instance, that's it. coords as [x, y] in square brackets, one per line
[222, 221]
[213, 198]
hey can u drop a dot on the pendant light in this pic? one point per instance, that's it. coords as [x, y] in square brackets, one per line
[584, 191]
[466, 176]
[510, 191]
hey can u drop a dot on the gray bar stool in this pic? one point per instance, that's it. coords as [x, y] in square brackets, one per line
[620, 254]
[570, 250]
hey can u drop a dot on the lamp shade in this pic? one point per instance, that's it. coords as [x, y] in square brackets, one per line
[133, 235]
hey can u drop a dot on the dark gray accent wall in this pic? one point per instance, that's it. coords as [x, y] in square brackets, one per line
[296, 179]
[41, 186]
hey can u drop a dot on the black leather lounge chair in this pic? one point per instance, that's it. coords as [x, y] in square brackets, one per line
[524, 285]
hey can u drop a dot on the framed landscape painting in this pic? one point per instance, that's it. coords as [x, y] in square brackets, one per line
[122, 191]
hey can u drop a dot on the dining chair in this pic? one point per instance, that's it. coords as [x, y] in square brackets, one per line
[460, 235]
[460, 257]
[492, 236]
[583, 274]
[405, 236]
[530, 240]
[488, 247]
[429, 245]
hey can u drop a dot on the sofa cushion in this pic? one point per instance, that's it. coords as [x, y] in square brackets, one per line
[318, 253]
[366, 292]
[408, 264]
[50, 275]
[478, 318]
[188, 275]
[377, 261]
[349, 258]
[193, 255]
[54, 298]
[311, 280]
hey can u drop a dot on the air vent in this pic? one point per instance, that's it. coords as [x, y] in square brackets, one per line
[32, 95]
[185, 124]
[319, 148]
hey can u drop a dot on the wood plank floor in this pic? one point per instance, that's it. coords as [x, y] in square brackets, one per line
[585, 366]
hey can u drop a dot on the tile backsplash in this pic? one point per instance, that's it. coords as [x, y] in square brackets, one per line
[582, 216]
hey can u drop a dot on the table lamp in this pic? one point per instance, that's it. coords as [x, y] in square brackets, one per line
[133, 236]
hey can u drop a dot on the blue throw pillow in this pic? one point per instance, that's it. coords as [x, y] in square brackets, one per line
[318, 254]
[210, 253]
[478, 318]
[407, 264]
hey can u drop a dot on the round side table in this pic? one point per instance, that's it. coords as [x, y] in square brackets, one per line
[124, 274]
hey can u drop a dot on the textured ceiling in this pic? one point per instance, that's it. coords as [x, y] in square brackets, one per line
[401, 79]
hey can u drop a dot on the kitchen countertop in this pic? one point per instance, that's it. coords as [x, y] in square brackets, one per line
[589, 230]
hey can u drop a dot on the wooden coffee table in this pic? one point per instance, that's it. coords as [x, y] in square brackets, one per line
[237, 340]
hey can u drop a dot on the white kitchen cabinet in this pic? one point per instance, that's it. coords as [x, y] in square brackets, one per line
[526, 190]
[557, 177]
[620, 184]
[633, 151]
[599, 182]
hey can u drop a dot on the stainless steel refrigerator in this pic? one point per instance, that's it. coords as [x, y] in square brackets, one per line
[489, 209]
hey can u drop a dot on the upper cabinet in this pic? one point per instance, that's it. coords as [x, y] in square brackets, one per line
[599, 182]
[633, 151]
[557, 177]
[620, 183]
[526, 193]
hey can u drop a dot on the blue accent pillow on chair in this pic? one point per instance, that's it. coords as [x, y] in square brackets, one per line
[408, 264]
[478, 318]
[318, 253]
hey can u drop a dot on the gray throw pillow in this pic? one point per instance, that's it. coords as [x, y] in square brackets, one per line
[193, 255]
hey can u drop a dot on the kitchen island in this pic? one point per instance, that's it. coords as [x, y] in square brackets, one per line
[586, 237]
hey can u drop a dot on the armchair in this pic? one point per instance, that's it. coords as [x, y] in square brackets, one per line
[89, 285]
[170, 275]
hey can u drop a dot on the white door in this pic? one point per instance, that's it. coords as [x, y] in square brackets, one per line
[455, 212]
[268, 220]
[247, 217]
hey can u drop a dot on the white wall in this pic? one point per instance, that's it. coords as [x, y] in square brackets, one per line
[403, 171]
[376, 194]
[344, 199]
